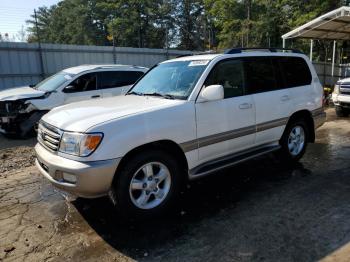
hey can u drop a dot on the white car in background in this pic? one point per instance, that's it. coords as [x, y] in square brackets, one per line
[341, 97]
[21, 108]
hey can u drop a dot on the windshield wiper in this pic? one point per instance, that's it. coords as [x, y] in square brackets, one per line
[134, 93]
[167, 96]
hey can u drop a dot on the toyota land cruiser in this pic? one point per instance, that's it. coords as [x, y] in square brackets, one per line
[186, 118]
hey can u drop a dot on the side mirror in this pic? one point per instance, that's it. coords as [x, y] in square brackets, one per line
[212, 93]
[69, 89]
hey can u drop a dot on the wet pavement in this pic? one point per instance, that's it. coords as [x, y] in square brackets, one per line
[257, 211]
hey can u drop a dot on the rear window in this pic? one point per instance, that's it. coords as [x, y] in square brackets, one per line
[295, 70]
[112, 79]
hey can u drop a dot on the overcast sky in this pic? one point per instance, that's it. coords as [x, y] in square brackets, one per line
[14, 13]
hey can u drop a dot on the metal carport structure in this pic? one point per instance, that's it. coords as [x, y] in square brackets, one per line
[334, 26]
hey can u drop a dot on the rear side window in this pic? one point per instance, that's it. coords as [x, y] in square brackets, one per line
[295, 70]
[112, 79]
[260, 75]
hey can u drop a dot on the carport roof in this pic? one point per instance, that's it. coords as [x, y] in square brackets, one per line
[334, 25]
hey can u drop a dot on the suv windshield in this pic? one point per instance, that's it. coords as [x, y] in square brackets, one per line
[53, 82]
[171, 80]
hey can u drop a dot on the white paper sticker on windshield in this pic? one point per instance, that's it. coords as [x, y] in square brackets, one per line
[68, 77]
[198, 63]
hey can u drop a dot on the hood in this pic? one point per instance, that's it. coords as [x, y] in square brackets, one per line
[17, 93]
[79, 117]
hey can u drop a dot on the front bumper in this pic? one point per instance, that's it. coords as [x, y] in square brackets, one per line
[8, 124]
[93, 179]
[341, 100]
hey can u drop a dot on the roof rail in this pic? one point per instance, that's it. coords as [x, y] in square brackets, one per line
[198, 53]
[184, 55]
[269, 49]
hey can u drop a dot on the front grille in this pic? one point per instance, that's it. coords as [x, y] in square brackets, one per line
[12, 107]
[49, 136]
[345, 89]
[3, 108]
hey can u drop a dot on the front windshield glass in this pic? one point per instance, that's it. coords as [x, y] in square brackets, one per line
[53, 82]
[171, 80]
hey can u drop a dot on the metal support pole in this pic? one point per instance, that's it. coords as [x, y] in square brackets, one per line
[311, 48]
[333, 58]
[166, 42]
[284, 43]
[42, 71]
[114, 54]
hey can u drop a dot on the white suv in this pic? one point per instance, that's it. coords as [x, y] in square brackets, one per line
[22, 107]
[186, 118]
[341, 97]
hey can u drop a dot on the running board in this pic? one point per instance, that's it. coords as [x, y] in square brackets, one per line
[229, 161]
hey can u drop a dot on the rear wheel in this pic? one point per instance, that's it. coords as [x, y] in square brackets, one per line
[147, 185]
[294, 141]
[341, 112]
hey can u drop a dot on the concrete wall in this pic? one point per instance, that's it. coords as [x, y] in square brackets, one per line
[20, 63]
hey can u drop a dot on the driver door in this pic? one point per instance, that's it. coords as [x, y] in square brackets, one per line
[82, 88]
[226, 126]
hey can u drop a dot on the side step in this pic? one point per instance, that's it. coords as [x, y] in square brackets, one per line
[229, 161]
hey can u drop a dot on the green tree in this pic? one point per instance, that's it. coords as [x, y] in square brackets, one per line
[70, 22]
[138, 23]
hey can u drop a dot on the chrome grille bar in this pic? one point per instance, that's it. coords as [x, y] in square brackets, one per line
[49, 136]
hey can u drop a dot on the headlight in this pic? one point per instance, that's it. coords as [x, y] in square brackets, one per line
[336, 89]
[80, 144]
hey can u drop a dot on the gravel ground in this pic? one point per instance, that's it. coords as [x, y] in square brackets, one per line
[257, 211]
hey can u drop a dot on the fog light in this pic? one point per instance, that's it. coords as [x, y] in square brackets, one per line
[69, 177]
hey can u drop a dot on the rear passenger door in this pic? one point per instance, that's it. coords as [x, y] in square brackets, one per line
[272, 100]
[226, 126]
[114, 83]
[298, 80]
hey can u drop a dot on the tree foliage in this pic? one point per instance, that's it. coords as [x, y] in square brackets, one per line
[185, 24]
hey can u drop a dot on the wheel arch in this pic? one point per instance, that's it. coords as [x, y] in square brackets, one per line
[307, 116]
[168, 146]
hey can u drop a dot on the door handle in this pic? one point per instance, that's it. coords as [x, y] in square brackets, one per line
[245, 106]
[96, 96]
[285, 98]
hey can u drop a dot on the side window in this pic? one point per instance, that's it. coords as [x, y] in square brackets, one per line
[229, 74]
[83, 83]
[112, 79]
[295, 70]
[260, 74]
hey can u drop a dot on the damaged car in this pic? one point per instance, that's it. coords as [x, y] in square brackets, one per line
[21, 108]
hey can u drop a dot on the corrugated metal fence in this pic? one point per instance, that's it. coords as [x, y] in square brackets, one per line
[24, 64]
[21, 64]
[324, 71]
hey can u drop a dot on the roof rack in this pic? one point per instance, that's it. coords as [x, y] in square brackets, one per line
[269, 49]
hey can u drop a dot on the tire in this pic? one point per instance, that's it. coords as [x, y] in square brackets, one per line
[161, 194]
[293, 149]
[341, 112]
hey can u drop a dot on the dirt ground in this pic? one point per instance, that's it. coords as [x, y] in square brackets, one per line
[257, 211]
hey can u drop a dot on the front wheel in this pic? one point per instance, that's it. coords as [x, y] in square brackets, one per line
[147, 185]
[294, 141]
